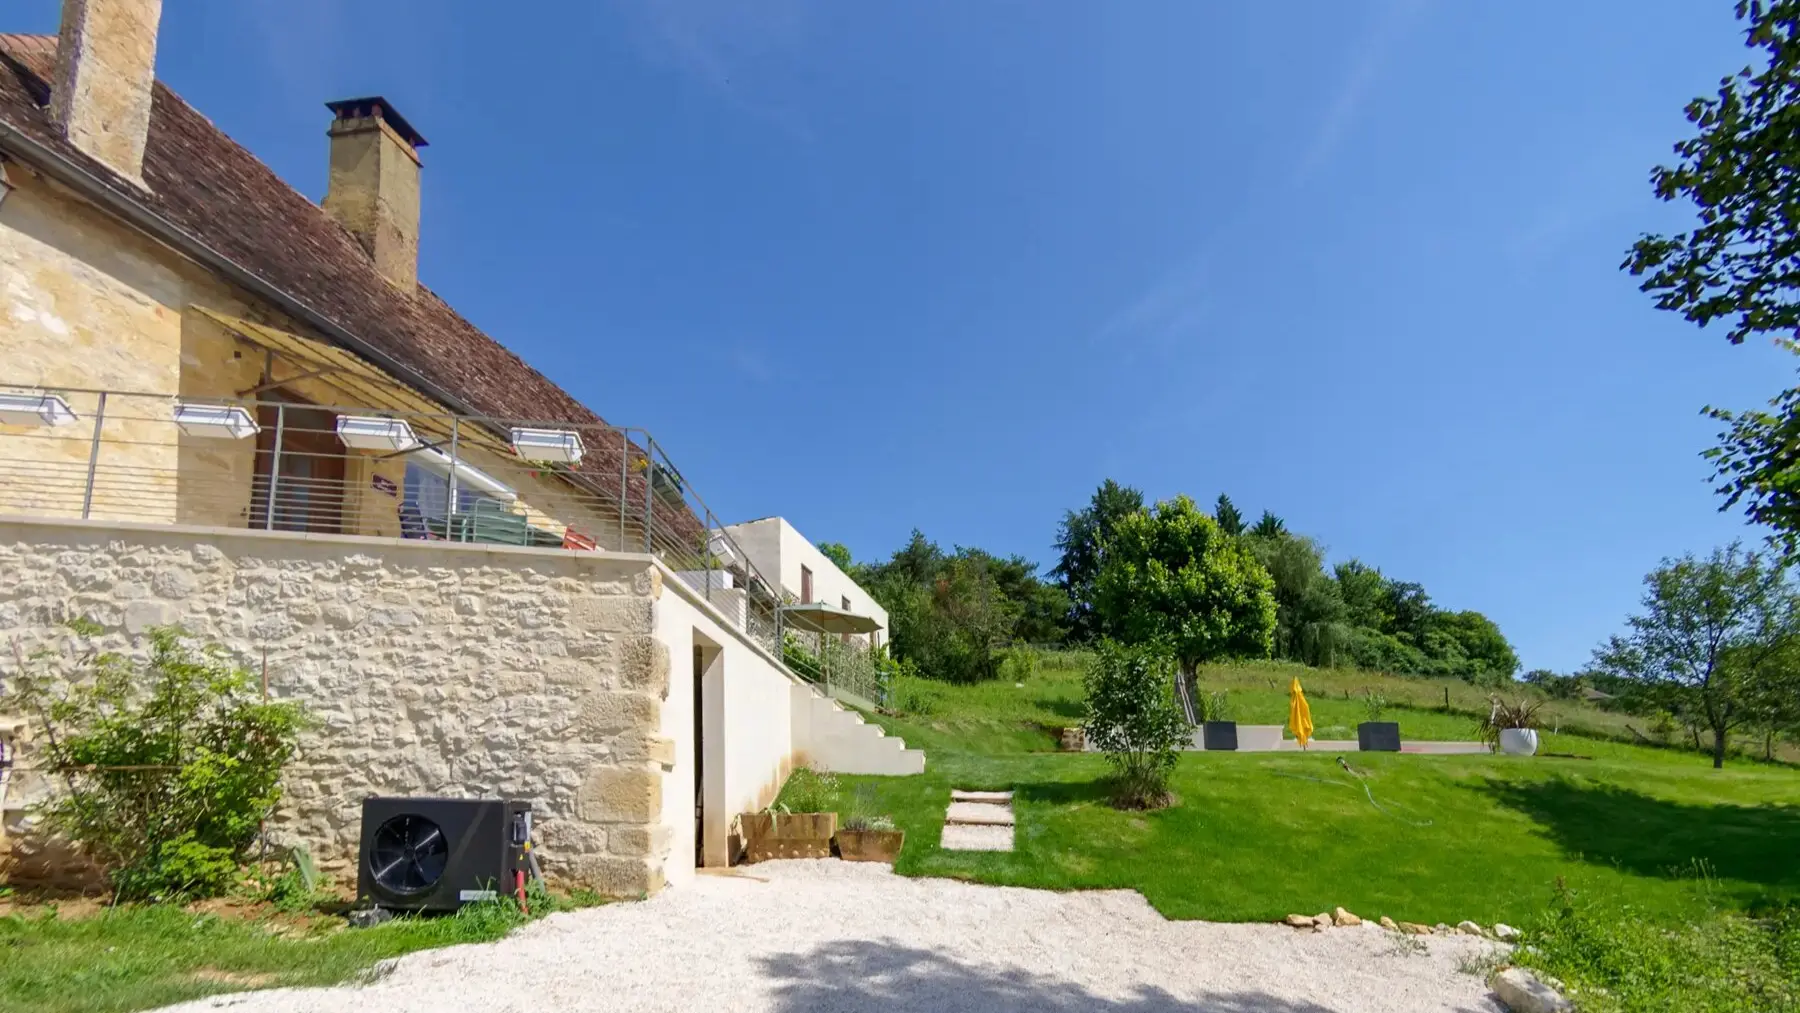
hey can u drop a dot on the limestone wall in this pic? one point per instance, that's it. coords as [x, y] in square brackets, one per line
[88, 303]
[433, 668]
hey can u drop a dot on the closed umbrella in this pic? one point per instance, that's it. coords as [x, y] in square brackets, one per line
[1299, 714]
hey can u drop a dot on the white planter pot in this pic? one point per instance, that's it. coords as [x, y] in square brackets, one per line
[1518, 741]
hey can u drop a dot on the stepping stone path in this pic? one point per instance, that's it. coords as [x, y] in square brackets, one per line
[979, 821]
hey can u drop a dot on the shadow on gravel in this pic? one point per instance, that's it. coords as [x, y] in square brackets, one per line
[854, 976]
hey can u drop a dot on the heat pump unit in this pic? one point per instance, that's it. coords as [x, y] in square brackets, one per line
[437, 854]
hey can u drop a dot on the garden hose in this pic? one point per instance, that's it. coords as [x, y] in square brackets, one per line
[1362, 782]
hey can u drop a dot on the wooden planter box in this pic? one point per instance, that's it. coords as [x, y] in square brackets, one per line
[870, 845]
[770, 836]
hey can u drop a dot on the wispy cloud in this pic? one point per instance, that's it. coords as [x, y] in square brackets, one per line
[1390, 26]
[725, 44]
[1173, 307]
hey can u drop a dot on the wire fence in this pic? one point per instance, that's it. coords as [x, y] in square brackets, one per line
[276, 463]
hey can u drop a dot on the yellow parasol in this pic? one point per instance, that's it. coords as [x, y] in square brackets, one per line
[1299, 714]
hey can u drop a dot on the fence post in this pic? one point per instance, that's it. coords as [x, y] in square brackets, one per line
[275, 466]
[450, 507]
[649, 488]
[87, 497]
[624, 483]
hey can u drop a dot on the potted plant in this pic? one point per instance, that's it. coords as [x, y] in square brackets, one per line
[1376, 735]
[870, 839]
[1217, 730]
[1512, 726]
[800, 824]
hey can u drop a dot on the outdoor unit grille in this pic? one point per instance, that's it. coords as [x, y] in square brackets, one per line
[437, 854]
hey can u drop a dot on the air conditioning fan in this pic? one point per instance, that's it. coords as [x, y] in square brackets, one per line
[437, 854]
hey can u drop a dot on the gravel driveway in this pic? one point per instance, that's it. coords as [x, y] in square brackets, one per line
[807, 937]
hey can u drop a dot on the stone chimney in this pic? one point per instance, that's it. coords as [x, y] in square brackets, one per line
[374, 188]
[105, 68]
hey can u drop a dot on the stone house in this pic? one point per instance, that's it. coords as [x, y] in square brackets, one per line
[227, 407]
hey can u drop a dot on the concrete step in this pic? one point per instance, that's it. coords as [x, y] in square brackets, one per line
[976, 838]
[979, 814]
[957, 795]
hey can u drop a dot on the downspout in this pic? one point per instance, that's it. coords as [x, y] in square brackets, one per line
[92, 187]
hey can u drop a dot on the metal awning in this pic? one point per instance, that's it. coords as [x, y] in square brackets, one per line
[822, 618]
[362, 382]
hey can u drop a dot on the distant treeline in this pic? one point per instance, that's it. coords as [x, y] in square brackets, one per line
[953, 613]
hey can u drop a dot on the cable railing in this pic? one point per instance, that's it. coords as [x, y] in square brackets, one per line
[287, 465]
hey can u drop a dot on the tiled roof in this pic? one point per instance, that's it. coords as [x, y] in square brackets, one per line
[214, 191]
[218, 194]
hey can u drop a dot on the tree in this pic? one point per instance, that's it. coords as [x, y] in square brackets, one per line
[1082, 541]
[1132, 717]
[1365, 594]
[951, 614]
[1269, 526]
[1230, 521]
[1310, 613]
[1741, 264]
[1409, 612]
[838, 553]
[1711, 638]
[1172, 577]
[1479, 640]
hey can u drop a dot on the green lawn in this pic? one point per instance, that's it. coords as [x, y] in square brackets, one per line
[1256, 836]
[134, 958]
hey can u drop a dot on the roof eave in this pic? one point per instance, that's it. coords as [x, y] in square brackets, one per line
[133, 212]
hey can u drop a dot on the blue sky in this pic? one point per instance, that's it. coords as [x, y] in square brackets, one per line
[1355, 262]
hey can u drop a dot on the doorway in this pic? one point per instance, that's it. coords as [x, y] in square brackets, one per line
[306, 476]
[712, 817]
[699, 757]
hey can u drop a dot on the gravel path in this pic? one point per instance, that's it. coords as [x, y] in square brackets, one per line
[816, 936]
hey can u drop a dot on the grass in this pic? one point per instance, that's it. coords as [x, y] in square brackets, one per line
[1724, 962]
[1257, 836]
[132, 958]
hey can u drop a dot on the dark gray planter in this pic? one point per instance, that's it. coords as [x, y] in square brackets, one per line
[1378, 737]
[1220, 735]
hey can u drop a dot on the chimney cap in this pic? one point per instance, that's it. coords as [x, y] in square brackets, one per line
[375, 105]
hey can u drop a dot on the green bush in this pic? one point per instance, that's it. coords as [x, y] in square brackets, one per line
[171, 764]
[1132, 717]
[1613, 962]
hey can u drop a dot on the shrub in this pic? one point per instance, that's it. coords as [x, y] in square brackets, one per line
[171, 764]
[809, 791]
[1375, 706]
[1615, 962]
[1503, 715]
[1133, 718]
[1214, 706]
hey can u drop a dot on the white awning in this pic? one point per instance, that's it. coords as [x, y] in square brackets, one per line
[467, 476]
[822, 618]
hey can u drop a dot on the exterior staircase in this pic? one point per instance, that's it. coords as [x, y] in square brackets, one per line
[835, 738]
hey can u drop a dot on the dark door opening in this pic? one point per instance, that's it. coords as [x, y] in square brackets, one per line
[699, 758]
[306, 476]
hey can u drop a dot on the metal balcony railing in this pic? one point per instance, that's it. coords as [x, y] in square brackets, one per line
[280, 464]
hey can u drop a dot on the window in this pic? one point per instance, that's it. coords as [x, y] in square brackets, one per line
[805, 586]
[424, 505]
[844, 638]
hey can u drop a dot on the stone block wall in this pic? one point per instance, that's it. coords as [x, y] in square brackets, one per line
[432, 669]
